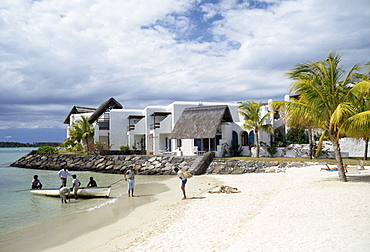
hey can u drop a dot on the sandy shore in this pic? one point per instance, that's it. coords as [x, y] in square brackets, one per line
[300, 210]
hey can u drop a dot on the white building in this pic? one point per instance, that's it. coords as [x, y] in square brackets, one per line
[181, 128]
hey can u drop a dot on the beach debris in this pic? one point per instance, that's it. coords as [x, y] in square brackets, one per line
[226, 189]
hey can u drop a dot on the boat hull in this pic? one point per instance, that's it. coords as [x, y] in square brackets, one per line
[84, 192]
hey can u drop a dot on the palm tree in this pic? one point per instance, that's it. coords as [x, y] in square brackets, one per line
[250, 110]
[358, 125]
[81, 130]
[327, 97]
[302, 122]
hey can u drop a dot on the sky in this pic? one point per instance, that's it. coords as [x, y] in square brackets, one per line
[56, 54]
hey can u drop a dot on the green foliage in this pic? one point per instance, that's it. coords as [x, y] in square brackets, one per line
[251, 111]
[235, 150]
[17, 144]
[81, 130]
[125, 150]
[47, 150]
[327, 98]
[77, 147]
[98, 146]
[68, 144]
[296, 136]
[279, 137]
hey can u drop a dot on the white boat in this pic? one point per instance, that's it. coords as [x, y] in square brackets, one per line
[83, 192]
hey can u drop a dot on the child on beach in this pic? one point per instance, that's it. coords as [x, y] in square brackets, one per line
[36, 183]
[183, 181]
[75, 184]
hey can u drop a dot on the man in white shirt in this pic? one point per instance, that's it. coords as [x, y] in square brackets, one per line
[63, 174]
[130, 174]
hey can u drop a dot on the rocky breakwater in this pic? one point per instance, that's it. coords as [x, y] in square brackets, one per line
[234, 166]
[150, 165]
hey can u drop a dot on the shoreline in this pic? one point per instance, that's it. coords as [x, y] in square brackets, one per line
[144, 222]
[304, 209]
[72, 226]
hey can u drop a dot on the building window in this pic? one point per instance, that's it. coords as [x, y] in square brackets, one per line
[245, 138]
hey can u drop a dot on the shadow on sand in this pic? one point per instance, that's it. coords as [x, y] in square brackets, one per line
[196, 198]
[353, 178]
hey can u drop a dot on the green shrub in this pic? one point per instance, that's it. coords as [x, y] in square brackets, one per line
[125, 150]
[296, 136]
[77, 147]
[235, 150]
[47, 150]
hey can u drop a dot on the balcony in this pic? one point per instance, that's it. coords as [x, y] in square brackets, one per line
[103, 125]
[155, 126]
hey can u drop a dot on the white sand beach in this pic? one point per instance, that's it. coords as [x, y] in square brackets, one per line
[304, 209]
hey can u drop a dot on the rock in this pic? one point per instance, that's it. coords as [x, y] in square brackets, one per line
[226, 189]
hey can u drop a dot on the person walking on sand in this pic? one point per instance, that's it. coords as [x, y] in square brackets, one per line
[63, 174]
[130, 177]
[75, 184]
[65, 193]
[36, 183]
[183, 181]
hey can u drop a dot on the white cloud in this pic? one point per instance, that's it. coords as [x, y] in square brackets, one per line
[57, 54]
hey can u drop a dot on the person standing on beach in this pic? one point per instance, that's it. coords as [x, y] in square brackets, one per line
[130, 176]
[63, 174]
[36, 183]
[75, 185]
[183, 181]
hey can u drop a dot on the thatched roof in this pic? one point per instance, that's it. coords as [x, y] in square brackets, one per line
[78, 110]
[201, 122]
[106, 106]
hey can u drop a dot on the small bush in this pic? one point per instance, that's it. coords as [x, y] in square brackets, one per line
[125, 150]
[235, 150]
[77, 147]
[47, 150]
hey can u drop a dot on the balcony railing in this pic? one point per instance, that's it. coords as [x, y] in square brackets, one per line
[155, 126]
[104, 125]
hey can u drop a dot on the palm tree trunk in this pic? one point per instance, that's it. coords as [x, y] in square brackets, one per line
[87, 144]
[310, 143]
[257, 145]
[338, 157]
[366, 148]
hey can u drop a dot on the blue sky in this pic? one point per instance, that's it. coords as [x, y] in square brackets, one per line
[57, 54]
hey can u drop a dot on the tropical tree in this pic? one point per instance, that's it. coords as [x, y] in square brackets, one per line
[81, 130]
[297, 120]
[358, 125]
[352, 128]
[328, 96]
[251, 111]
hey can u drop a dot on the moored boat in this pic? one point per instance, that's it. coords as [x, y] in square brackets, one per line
[83, 192]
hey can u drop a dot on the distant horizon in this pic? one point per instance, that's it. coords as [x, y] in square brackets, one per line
[38, 135]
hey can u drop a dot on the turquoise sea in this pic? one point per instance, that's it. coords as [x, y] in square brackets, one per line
[21, 211]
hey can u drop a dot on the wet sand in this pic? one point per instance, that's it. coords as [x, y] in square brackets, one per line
[58, 232]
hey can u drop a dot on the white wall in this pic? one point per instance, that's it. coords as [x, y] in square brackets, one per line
[119, 126]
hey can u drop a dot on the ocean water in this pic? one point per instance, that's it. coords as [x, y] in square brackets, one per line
[21, 211]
